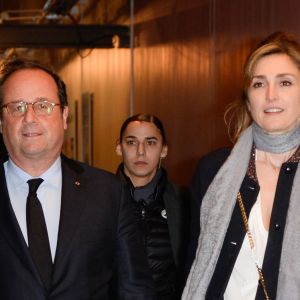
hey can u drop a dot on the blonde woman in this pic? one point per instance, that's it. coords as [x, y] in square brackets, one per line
[249, 196]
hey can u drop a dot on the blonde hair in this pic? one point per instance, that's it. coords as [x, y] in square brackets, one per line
[237, 117]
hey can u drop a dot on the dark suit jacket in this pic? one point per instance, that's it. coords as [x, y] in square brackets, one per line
[97, 240]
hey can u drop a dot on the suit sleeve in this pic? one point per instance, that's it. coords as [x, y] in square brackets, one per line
[134, 275]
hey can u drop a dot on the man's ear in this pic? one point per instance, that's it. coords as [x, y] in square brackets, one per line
[0, 126]
[65, 115]
[119, 149]
[164, 151]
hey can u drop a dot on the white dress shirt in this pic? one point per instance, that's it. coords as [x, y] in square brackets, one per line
[49, 194]
[244, 278]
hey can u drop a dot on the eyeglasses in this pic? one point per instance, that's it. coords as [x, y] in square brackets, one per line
[40, 107]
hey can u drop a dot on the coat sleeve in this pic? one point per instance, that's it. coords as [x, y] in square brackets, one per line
[206, 170]
[134, 275]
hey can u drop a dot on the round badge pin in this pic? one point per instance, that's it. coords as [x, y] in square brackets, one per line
[164, 214]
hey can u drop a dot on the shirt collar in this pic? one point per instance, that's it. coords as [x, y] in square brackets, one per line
[19, 177]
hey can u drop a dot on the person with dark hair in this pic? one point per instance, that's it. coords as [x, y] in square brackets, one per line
[66, 229]
[160, 206]
[246, 201]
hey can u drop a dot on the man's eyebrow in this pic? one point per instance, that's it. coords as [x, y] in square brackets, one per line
[130, 137]
[146, 138]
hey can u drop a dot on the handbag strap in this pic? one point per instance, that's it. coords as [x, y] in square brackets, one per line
[251, 242]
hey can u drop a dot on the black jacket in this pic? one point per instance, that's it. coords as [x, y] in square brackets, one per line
[207, 168]
[165, 239]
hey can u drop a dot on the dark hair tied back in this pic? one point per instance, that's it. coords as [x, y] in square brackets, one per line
[145, 118]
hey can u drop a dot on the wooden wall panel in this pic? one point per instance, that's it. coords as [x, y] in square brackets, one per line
[189, 62]
[110, 83]
[172, 67]
[106, 74]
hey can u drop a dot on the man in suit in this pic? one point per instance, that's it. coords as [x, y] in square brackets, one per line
[65, 231]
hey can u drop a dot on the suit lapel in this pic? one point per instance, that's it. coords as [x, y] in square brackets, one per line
[10, 229]
[72, 204]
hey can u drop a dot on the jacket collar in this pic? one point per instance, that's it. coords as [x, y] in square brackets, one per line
[161, 184]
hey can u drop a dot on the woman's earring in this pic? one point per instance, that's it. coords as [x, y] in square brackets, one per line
[159, 164]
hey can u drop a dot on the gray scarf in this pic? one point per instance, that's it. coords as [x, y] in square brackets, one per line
[275, 143]
[216, 210]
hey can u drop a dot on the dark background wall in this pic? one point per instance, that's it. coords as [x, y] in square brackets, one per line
[188, 66]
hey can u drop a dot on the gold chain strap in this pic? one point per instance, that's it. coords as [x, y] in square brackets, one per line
[251, 242]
